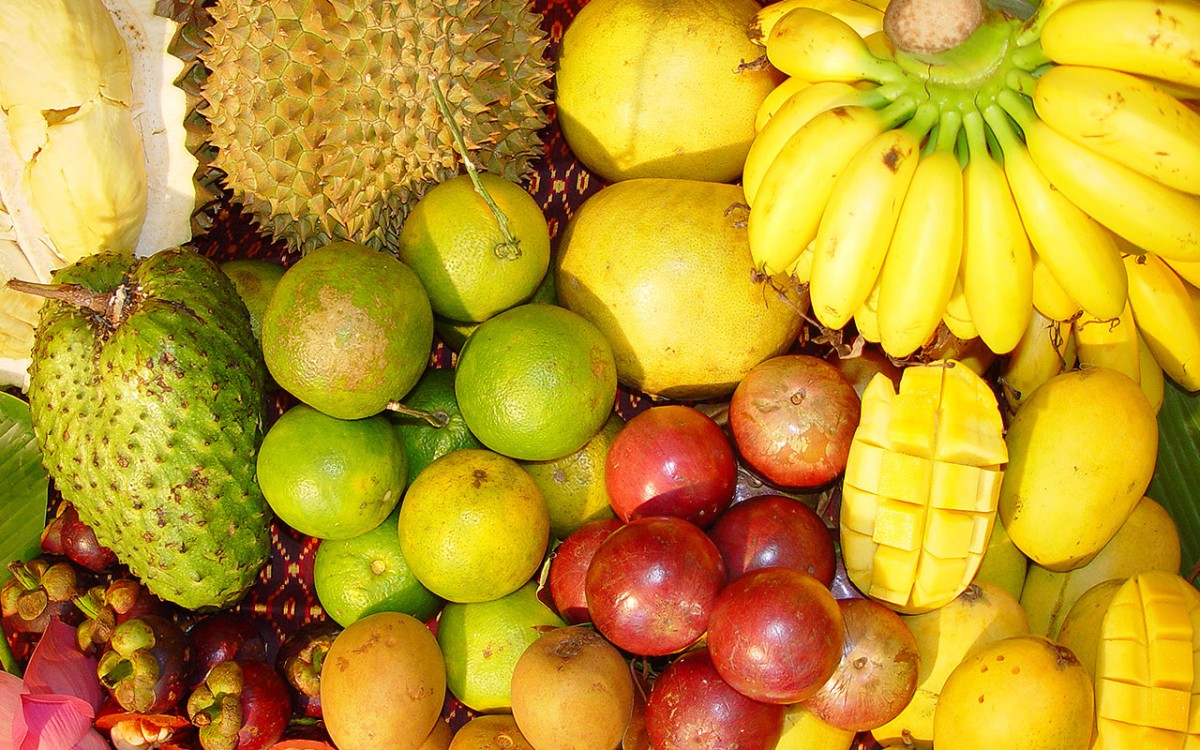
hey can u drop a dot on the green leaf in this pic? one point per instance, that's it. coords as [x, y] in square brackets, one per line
[1176, 482]
[26, 487]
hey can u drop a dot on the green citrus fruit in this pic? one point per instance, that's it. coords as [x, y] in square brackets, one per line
[255, 280]
[347, 330]
[574, 484]
[482, 641]
[331, 478]
[453, 240]
[366, 574]
[454, 333]
[536, 382]
[474, 526]
[423, 441]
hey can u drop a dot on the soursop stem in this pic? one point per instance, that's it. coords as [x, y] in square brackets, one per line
[510, 249]
[74, 294]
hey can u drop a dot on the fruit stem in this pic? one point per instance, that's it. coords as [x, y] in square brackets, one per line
[510, 248]
[929, 27]
[74, 294]
[949, 127]
[434, 418]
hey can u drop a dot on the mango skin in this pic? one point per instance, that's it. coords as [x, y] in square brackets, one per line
[1082, 451]
[1148, 540]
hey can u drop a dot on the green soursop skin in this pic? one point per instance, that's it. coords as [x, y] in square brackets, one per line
[149, 416]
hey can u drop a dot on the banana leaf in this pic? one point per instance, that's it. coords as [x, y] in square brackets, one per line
[1176, 482]
[25, 494]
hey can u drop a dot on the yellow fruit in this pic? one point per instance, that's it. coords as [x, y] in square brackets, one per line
[663, 268]
[453, 241]
[1003, 564]
[383, 684]
[1082, 451]
[981, 614]
[1024, 692]
[255, 280]
[661, 88]
[473, 526]
[1147, 540]
[574, 484]
[1146, 665]
[802, 730]
[1081, 628]
[919, 491]
[490, 732]
[483, 641]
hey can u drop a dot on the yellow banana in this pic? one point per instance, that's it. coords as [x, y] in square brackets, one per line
[1144, 211]
[925, 251]
[997, 262]
[1166, 317]
[1049, 297]
[817, 46]
[1188, 270]
[792, 115]
[880, 45]
[1111, 343]
[776, 99]
[1037, 357]
[1159, 38]
[796, 187]
[856, 226]
[1080, 253]
[866, 318]
[1126, 118]
[801, 267]
[958, 316]
[864, 19]
[1151, 378]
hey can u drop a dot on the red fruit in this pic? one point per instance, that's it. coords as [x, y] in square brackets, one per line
[144, 665]
[671, 461]
[861, 366]
[772, 530]
[792, 418]
[776, 634]
[568, 568]
[300, 660]
[220, 637]
[652, 583]
[262, 710]
[877, 675]
[70, 537]
[692, 708]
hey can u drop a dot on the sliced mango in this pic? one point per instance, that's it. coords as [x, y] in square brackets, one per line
[1147, 680]
[921, 486]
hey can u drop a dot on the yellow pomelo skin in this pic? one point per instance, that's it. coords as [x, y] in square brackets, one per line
[662, 267]
[1082, 451]
[661, 88]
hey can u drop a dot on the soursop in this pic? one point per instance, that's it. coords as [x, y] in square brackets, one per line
[146, 392]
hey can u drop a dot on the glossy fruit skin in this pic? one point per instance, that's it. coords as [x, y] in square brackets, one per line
[651, 584]
[671, 460]
[773, 530]
[776, 634]
[692, 708]
[792, 419]
[568, 568]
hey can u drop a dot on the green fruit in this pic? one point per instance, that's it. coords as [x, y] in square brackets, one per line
[255, 280]
[442, 431]
[149, 411]
[366, 574]
[348, 330]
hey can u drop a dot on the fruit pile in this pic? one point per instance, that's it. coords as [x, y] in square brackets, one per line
[800, 365]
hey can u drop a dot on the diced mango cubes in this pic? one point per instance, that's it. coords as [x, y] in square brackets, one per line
[1147, 682]
[921, 485]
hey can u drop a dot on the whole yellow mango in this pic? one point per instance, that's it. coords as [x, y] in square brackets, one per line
[1081, 452]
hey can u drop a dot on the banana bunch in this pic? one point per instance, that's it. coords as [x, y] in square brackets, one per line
[1037, 166]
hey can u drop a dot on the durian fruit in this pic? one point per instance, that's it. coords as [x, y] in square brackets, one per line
[324, 119]
[92, 147]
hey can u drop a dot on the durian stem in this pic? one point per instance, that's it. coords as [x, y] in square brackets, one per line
[434, 418]
[73, 294]
[510, 248]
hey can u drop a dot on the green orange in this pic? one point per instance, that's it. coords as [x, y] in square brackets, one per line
[574, 484]
[536, 382]
[442, 431]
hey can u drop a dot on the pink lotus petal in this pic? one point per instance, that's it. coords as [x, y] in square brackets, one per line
[11, 690]
[57, 666]
[51, 722]
[93, 740]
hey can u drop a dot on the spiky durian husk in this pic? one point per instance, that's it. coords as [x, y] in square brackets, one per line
[323, 118]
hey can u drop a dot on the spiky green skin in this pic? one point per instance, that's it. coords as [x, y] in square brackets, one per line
[150, 427]
[324, 121]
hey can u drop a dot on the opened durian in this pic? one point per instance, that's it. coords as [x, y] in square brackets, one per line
[93, 152]
[324, 121]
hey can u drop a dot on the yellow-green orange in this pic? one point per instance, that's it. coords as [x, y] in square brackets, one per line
[255, 280]
[661, 88]
[454, 333]
[331, 478]
[474, 526]
[443, 430]
[482, 642]
[1082, 451]
[535, 382]
[574, 484]
[347, 330]
[663, 269]
[454, 242]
